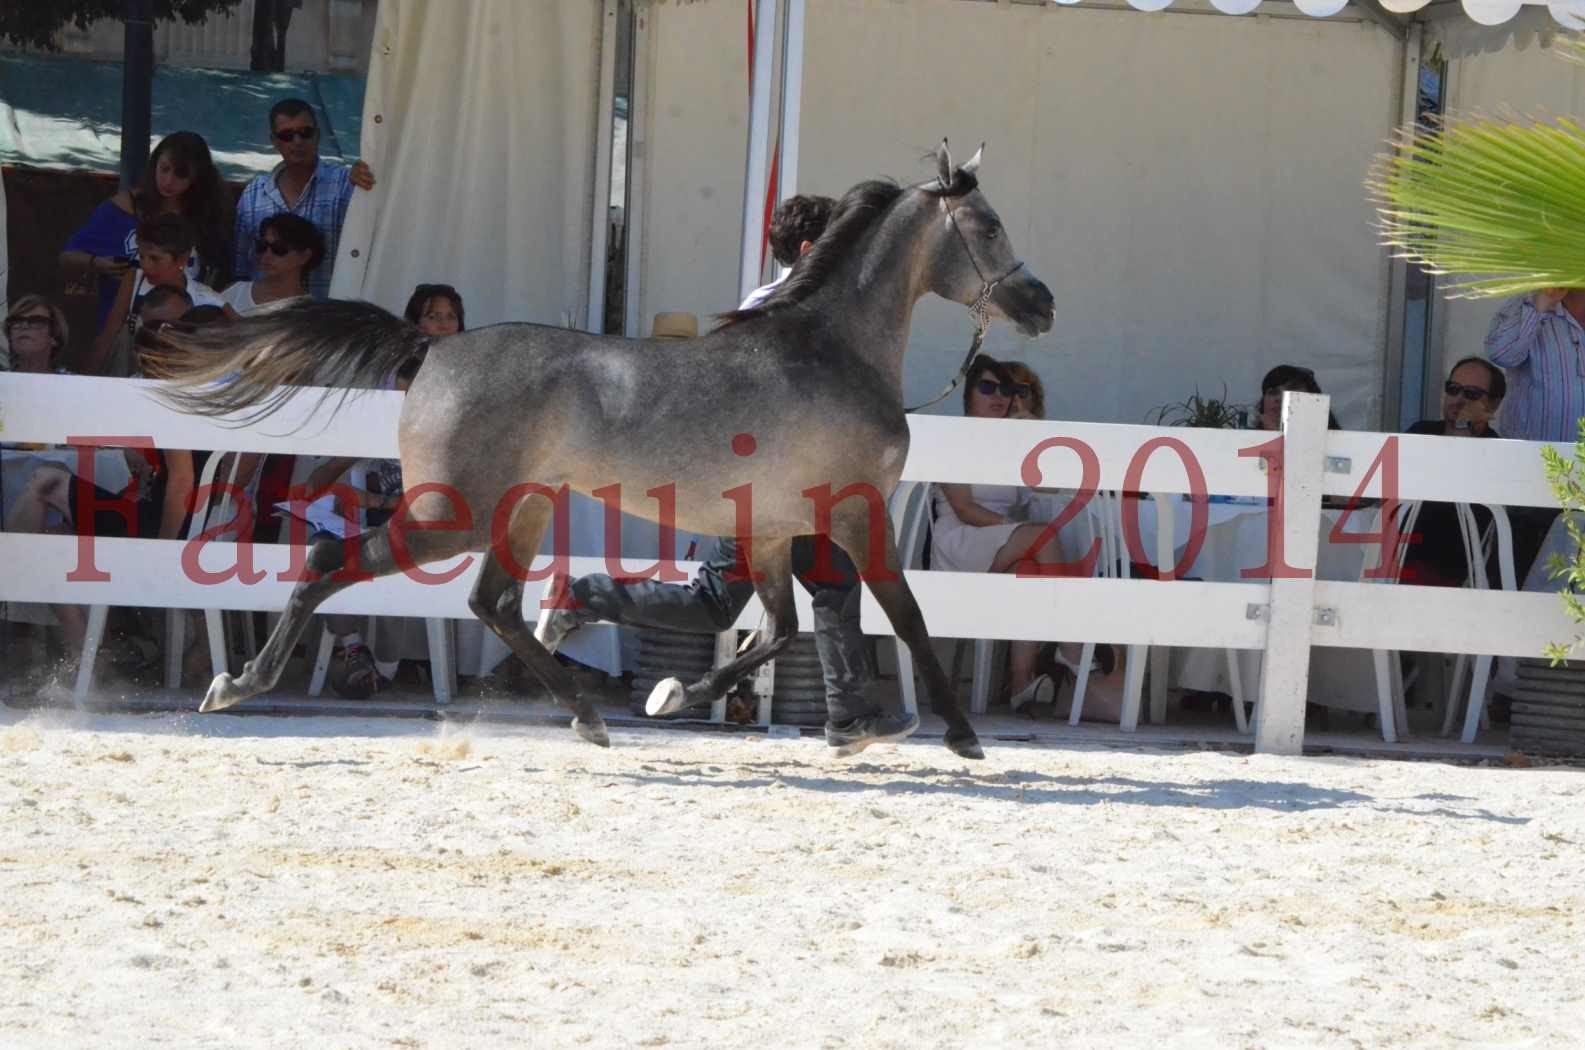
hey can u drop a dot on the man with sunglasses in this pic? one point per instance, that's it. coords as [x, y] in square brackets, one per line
[1471, 396]
[303, 184]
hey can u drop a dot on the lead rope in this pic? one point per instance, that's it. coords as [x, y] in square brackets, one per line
[982, 320]
[980, 310]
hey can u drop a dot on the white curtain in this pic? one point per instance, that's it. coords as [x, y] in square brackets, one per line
[479, 124]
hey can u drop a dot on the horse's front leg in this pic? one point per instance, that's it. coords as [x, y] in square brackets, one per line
[854, 535]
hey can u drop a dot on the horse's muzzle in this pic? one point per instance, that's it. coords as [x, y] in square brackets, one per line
[1027, 303]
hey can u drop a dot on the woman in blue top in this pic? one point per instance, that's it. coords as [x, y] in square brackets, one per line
[180, 178]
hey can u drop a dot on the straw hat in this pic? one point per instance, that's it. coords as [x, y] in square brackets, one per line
[675, 326]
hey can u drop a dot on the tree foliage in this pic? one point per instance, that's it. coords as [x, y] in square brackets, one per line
[35, 23]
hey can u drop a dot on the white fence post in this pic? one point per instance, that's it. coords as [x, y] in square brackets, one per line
[1285, 671]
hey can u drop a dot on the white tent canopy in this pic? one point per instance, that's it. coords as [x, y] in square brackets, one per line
[1569, 13]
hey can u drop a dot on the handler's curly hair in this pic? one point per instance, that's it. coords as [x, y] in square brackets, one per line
[798, 219]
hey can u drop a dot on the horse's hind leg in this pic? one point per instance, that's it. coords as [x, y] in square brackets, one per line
[772, 560]
[497, 600]
[326, 559]
[852, 534]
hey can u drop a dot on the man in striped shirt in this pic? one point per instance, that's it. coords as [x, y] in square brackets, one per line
[1539, 340]
[303, 184]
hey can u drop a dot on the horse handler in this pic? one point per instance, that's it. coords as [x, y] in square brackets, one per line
[720, 589]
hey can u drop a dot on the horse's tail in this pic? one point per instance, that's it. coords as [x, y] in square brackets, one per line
[249, 368]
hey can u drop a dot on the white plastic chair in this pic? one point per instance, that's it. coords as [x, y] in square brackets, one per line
[214, 510]
[1477, 548]
[176, 619]
[1105, 512]
[910, 514]
[1391, 711]
[438, 633]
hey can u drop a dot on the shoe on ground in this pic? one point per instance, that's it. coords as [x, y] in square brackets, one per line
[850, 738]
[555, 621]
[355, 677]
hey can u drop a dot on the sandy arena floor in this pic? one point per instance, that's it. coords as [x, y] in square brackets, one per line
[342, 883]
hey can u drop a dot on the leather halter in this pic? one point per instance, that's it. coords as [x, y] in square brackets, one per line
[979, 309]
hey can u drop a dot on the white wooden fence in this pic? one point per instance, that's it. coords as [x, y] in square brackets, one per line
[1284, 617]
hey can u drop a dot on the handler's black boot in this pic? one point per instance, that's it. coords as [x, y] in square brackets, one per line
[851, 737]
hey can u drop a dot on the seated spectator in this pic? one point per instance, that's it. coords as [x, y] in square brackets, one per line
[289, 249]
[1471, 396]
[180, 179]
[436, 309]
[1029, 393]
[37, 334]
[979, 528]
[1280, 380]
[165, 246]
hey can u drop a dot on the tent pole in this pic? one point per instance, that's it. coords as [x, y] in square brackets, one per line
[791, 99]
[600, 208]
[137, 90]
[757, 175]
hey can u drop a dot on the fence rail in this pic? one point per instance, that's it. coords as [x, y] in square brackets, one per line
[1278, 616]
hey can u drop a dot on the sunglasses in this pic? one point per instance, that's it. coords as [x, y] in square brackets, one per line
[295, 134]
[273, 247]
[1472, 393]
[990, 388]
[36, 324]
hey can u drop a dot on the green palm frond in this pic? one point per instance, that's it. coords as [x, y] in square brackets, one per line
[1570, 46]
[1499, 203]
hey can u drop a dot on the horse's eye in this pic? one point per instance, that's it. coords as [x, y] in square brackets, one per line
[993, 231]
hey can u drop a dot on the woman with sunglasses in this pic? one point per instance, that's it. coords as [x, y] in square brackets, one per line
[980, 528]
[36, 333]
[181, 179]
[289, 249]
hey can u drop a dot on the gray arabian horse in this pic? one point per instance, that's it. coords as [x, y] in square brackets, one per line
[803, 391]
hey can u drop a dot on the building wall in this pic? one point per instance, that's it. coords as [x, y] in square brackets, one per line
[1189, 186]
[325, 36]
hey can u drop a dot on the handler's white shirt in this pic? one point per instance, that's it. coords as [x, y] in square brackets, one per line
[761, 293]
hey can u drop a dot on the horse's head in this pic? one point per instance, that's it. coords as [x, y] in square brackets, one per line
[974, 261]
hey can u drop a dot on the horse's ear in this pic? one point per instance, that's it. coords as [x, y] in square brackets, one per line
[973, 163]
[944, 165]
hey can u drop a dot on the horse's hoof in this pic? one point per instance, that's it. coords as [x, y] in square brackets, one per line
[223, 693]
[965, 746]
[592, 731]
[669, 695]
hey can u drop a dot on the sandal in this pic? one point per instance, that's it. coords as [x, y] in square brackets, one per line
[1040, 690]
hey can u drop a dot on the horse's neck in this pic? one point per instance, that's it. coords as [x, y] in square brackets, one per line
[872, 294]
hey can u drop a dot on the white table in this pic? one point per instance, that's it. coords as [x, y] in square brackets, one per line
[1235, 540]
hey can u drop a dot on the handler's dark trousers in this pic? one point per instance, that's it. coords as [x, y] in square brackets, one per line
[711, 604]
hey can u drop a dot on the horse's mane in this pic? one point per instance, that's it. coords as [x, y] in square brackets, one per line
[855, 214]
